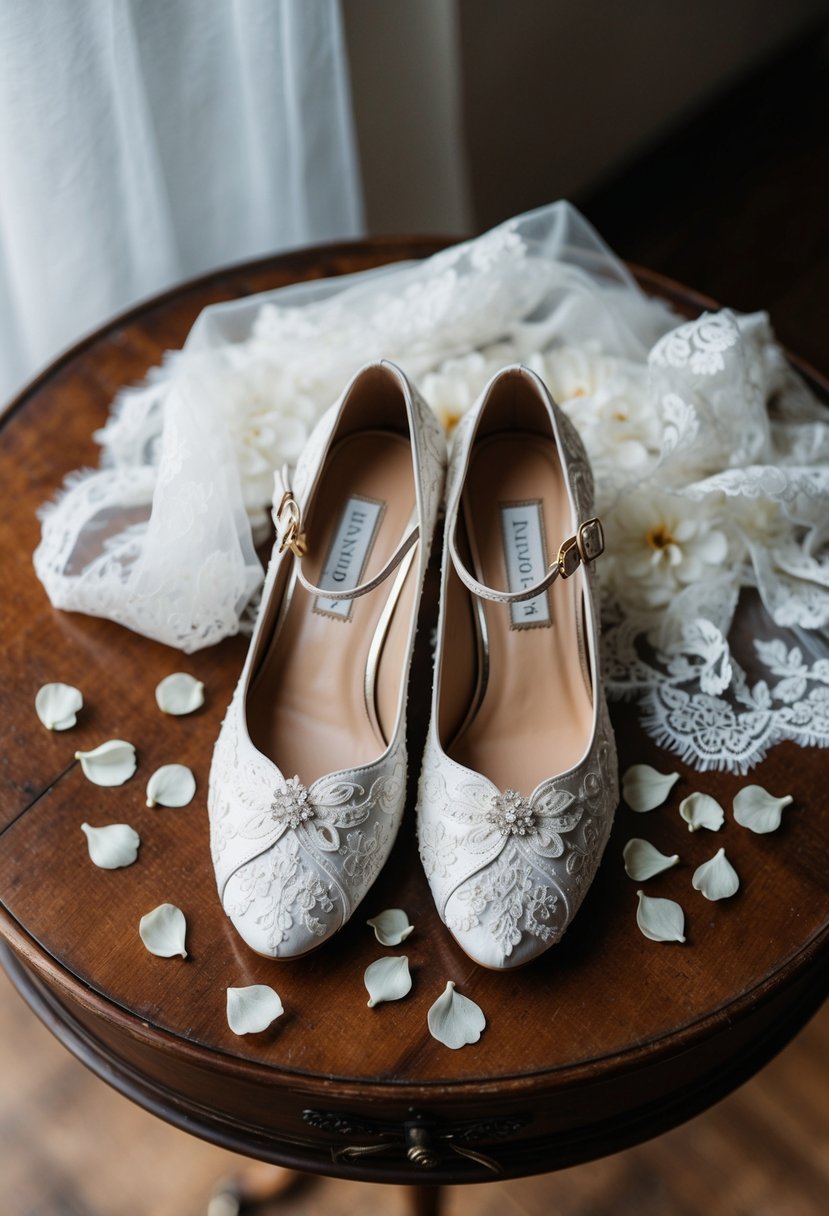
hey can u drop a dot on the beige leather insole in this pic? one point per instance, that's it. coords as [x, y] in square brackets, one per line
[306, 706]
[535, 716]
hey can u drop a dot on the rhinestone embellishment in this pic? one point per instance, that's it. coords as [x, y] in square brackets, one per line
[292, 806]
[512, 814]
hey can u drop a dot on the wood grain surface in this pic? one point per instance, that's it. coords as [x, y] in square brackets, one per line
[605, 1040]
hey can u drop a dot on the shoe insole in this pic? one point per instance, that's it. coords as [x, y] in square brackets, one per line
[308, 706]
[533, 716]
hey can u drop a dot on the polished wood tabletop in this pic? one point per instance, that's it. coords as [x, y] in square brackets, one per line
[607, 1039]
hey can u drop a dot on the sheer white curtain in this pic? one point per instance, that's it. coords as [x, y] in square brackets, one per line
[142, 141]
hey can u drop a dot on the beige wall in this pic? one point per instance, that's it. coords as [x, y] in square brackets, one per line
[472, 110]
[406, 86]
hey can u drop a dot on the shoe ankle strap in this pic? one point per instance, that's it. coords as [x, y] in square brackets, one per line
[288, 520]
[586, 544]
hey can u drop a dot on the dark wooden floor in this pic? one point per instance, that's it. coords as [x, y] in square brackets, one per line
[734, 204]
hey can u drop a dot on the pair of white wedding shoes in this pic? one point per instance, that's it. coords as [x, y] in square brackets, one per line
[518, 783]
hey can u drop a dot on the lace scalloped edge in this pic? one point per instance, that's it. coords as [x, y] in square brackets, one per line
[70, 483]
[651, 722]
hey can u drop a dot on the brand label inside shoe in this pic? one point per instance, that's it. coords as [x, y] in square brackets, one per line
[525, 558]
[349, 554]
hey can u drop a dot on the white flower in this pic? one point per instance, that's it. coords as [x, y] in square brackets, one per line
[619, 425]
[658, 545]
[573, 372]
[269, 414]
[607, 399]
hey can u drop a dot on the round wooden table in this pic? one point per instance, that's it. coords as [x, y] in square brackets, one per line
[607, 1040]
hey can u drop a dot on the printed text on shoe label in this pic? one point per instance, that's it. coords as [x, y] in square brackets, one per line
[349, 553]
[525, 558]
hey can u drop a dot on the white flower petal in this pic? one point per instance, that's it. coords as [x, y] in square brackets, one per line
[391, 927]
[171, 785]
[387, 980]
[642, 860]
[252, 1009]
[713, 546]
[112, 763]
[112, 846]
[454, 1020]
[717, 878]
[179, 694]
[702, 811]
[685, 530]
[661, 920]
[644, 788]
[758, 810]
[57, 705]
[163, 931]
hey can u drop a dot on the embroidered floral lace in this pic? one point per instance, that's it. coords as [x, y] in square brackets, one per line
[711, 460]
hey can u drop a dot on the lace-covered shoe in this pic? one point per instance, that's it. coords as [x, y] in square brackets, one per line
[308, 778]
[519, 781]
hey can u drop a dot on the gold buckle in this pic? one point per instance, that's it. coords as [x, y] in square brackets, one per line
[585, 546]
[590, 539]
[289, 530]
[568, 557]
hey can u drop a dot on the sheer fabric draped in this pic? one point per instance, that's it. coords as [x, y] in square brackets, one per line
[710, 457]
[143, 141]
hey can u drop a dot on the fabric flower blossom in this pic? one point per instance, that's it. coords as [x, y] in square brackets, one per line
[659, 545]
[608, 401]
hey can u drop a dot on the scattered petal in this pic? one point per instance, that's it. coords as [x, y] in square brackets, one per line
[644, 789]
[391, 927]
[57, 705]
[702, 811]
[662, 920]
[758, 810]
[642, 860]
[179, 694]
[112, 763]
[387, 980]
[251, 1010]
[717, 878]
[163, 931]
[171, 785]
[113, 846]
[454, 1020]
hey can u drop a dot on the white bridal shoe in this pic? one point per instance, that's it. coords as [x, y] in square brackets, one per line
[519, 782]
[308, 778]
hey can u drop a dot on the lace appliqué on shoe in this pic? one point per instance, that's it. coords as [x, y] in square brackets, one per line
[438, 849]
[489, 878]
[505, 900]
[281, 891]
[363, 854]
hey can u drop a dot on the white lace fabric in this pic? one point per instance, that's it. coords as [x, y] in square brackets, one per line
[710, 455]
